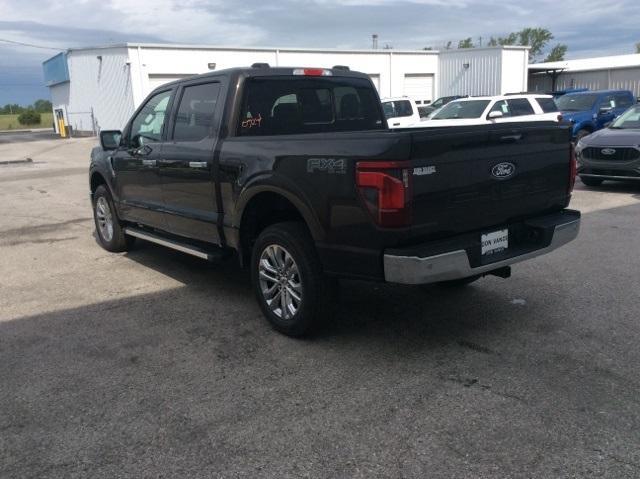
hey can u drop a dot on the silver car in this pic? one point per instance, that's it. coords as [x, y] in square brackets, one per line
[612, 153]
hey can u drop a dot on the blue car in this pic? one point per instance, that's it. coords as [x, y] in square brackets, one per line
[590, 111]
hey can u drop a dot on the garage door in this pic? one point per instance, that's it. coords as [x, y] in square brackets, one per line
[375, 78]
[157, 80]
[419, 87]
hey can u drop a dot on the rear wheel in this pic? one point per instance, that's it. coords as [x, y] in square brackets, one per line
[591, 181]
[108, 228]
[291, 289]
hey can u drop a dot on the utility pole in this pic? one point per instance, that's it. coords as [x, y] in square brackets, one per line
[374, 41]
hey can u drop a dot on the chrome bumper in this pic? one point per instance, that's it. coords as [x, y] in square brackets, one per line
[455, 264]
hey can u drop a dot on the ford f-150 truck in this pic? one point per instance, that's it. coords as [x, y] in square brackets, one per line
[295, 172]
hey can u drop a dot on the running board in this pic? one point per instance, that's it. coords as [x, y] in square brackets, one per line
[169, 243]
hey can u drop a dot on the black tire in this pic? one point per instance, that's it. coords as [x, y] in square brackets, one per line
[118, 242]
[591, 181]
[315, 290]
[581, 134]
[458, 283]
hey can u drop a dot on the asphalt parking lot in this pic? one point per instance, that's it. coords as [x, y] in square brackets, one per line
[156, 364]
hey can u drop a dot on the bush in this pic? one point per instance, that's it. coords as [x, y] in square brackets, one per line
[29, 117]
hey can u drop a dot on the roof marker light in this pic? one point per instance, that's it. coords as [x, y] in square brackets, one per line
[312, 72]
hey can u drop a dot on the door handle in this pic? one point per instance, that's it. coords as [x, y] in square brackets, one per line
[197, 164]
[149, 162]
[511, 138]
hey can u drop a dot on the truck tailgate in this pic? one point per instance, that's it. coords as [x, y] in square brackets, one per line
[468, 178]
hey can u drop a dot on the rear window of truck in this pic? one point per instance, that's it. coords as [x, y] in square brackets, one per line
[285, 106]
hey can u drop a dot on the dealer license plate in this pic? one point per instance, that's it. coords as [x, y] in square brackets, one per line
[494, 242]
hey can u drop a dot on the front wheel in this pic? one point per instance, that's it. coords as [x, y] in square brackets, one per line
[591, 181]
[108, 228]
[291, 289]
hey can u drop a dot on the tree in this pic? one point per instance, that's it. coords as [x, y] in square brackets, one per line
[11, 109]
[29, 117]
[536, 38]
[42, 106]
[638, 47]
[557, 53]
[466, 43]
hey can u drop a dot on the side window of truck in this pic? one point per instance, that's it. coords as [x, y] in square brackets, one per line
[274, 106]
[147, 125]
[520, 107]
[623, 101]
[607, 102]
[195, 116]
[503, 107]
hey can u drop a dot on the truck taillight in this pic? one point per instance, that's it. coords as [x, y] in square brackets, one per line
[385, 188]
[573, 167]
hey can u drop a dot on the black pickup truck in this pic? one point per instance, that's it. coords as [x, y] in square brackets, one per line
[295, 172]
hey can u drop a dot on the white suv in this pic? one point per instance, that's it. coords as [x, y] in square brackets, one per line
[401, 112]
[495, 109]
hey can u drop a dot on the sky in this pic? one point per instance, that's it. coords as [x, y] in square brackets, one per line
[588, 27]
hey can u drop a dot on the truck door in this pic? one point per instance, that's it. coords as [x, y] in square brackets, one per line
[187, 167]
[136, 163]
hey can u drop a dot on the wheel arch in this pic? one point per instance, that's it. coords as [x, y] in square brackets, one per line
[265, 206]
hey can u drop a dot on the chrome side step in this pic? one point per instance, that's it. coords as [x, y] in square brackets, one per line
[184, 248]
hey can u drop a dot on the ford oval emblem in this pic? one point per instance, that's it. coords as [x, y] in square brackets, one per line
[502, 171]
[608, 151]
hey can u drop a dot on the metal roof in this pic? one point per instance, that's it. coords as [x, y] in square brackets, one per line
[589, 64]
[178, 46]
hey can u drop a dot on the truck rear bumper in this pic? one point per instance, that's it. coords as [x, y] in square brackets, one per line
[538, 236]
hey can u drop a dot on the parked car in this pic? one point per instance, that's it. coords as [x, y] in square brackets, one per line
[401, 112]
[436, 105]
[294, 171]
[612, 153]
[591, 110]
[498, 109]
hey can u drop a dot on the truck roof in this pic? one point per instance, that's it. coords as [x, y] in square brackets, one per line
[265, 70]
[597, 92]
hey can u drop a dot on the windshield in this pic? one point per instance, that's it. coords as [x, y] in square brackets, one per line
[398, 108]
[576, 102]
[462, 110]
[630, 119]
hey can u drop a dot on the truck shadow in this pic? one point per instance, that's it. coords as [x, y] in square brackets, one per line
[361, 309]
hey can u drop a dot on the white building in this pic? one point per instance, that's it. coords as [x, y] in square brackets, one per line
[99, 88]
[620, 72]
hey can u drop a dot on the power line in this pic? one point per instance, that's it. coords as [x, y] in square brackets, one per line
[13, 42]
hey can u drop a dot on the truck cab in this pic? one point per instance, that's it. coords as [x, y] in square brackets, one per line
[591, 111]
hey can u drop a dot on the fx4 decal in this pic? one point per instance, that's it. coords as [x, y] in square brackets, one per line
[328, 165]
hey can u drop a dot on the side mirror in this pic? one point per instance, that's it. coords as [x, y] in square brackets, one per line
[604, 110]
[110, 139]
[494, 114]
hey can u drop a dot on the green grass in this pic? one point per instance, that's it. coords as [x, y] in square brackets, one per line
[10, 122]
